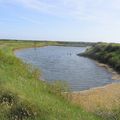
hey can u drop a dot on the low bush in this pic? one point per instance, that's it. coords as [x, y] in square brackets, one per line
[8, 98]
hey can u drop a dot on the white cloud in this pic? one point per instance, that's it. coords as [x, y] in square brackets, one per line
[31, 20]
[76, 8]
[103, 11]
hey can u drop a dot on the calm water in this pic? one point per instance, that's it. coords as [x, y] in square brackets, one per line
[62, 63]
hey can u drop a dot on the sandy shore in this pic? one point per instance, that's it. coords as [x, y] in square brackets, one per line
[115, 75]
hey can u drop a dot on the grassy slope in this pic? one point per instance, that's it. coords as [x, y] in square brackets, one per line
[106, 53]
[23, 90]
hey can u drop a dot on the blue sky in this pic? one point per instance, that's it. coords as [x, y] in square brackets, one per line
[71, 20]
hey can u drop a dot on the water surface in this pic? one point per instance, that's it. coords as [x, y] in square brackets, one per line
[62, 63]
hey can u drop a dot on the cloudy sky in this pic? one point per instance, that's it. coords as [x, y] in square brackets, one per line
[73, 20]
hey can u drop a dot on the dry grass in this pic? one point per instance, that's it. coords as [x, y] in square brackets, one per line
[107, 97]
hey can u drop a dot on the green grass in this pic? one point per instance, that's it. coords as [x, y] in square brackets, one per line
[24, 97]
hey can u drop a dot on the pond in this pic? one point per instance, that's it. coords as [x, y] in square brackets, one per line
[62, 63]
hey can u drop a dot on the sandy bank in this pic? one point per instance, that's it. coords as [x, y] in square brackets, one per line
[115, 75]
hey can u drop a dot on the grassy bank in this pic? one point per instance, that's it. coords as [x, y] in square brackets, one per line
[24, 97]
[105, 53]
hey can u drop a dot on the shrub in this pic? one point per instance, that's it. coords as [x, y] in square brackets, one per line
[8, 98]
[21, 111]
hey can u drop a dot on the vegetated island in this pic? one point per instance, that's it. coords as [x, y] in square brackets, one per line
[105, 101]
[24, 97]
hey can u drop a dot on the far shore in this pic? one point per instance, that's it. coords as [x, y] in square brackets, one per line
[22, 48]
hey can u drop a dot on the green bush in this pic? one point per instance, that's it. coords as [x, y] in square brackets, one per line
[8, 98]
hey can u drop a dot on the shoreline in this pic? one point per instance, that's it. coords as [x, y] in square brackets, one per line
[115, 75]
[22, 48]
[17, 49]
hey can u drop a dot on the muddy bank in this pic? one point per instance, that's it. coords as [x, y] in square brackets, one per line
[115, 75]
